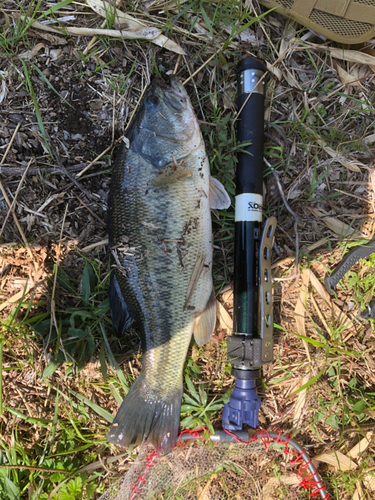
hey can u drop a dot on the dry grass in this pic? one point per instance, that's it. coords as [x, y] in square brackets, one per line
[65, 101]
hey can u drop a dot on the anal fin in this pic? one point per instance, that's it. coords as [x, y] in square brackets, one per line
[205, 323]
[121, 318]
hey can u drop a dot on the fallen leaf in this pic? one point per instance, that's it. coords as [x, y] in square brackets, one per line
[370, 139]
[300, 403]
[358, 494]
[371, 52]
[227, 294]
[52, 39]
[18, 296]
[337, 459]
[273, 483]
[345, 163]
[361, 446]
[344, 320]
[122, 19]
[4, 91]
[340, 228]
[205, 494]
[32, 52]
[55, 54]
[352, 56]
[226, 322]
[144, 33]
[274, 71]
[346, 78]
[369, 482]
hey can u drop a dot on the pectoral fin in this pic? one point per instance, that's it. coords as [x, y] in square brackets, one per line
[219, 198]
[171, 173]
[205, 323]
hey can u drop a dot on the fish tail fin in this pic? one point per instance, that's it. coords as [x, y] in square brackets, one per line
[143, 418]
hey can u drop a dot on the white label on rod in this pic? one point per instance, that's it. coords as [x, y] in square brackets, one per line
[248, 207]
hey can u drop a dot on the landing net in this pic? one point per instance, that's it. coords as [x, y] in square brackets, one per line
[198, 469]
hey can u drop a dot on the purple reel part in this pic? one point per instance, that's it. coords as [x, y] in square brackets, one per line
[243, 406]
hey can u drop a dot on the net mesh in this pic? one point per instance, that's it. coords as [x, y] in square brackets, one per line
[201, 470]
[342, 27]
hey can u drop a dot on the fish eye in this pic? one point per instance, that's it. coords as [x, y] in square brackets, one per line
[153, 100]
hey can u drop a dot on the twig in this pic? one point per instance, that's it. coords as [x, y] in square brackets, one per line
[297, 219]
[195, 87]
[89, 209]
[20, 230]
[10, 143]
[11, 208]
[73, 179]
[177, 64]
[199, 69]
[53, 307]
[94, 245]
[8, 169]
[98, 464]
[98, 157]
[113, 116]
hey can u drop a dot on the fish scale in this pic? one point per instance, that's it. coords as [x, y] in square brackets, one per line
[161, 243]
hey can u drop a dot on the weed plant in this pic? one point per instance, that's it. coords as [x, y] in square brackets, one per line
[53, 446]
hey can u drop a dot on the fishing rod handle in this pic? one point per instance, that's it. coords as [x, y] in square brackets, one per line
[249, 197]
[250, 103]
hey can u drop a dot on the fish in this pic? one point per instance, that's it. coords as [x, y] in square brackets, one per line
[160, 239]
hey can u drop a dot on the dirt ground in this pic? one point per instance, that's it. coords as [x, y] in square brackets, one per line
[65, 102]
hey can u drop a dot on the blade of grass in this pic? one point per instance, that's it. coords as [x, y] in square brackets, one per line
[73, 451]
[115, 393]
[97, 409]
[114, 362]
[43, 422]
[49, 84]
[55, 8]
[310, 382]
[36, 106]
[1, 377]
[54, 426]
[310, 341]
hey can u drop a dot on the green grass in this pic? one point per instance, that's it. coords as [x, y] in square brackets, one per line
[64, 428]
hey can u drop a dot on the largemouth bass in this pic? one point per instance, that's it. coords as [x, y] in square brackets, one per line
[160, 237]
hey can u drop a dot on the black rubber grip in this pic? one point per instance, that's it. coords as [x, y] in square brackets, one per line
[250, 128]
[249, 179]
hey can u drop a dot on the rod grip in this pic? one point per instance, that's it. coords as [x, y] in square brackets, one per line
[250, 101]
[249, 199]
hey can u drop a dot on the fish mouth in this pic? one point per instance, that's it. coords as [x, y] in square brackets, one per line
[173, 92]
[177, 86]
